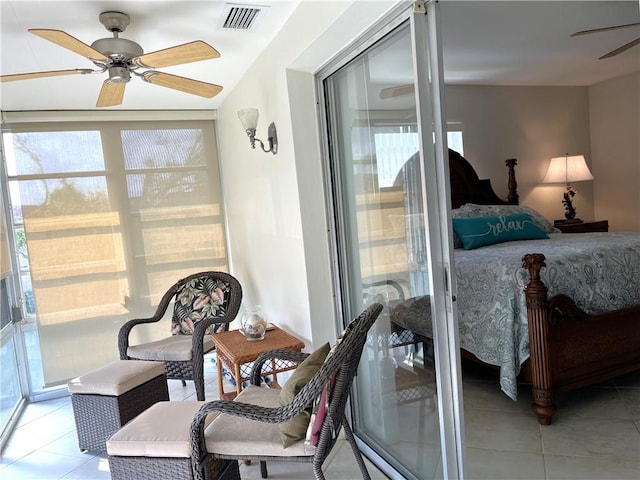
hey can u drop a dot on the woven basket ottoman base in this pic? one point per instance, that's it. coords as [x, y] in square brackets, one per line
[106, 399]
[157, 445]
[166, 468]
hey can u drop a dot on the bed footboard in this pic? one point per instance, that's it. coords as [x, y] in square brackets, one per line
[570, 348]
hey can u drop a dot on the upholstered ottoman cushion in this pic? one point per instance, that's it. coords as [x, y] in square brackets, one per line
[156, 444]
[116, 378]
[107, 398]
[160, 431]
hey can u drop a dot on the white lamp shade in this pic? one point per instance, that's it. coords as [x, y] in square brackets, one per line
[249, 118]
[567, 170]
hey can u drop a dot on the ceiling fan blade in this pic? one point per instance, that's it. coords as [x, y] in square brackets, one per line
[51, 73]
[397, 91]
[621, 49]
[70, 43]
[111, 94]
[187, 85]
[189, 52]
[604, 29]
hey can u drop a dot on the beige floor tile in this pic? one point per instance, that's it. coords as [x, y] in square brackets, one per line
[595, 402]
[594, 437]
[488, 396]
[341, 464]
[589, 468]
[40, 409]
[631, 399]
[39, 433]
[41, 465]
[96, 468]
[423, 459]
[67, 445]
[509, 432]
[483, 464]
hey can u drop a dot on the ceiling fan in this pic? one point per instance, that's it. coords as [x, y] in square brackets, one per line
[121, 58]
[618, 50]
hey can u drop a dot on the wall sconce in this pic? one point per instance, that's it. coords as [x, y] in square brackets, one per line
[567, 170]
[249, 119]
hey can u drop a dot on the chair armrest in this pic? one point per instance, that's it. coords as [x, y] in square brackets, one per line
[279, 354]
[199, 331]
[125, 330]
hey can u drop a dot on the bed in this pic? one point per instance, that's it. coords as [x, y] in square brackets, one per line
[522, 305]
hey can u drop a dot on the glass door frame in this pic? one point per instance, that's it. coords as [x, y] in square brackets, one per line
[11, 331]
[426, 44]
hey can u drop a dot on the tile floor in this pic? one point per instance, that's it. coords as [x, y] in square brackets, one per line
[595, 435]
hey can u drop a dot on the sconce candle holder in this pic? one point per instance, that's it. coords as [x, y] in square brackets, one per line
[249, 119]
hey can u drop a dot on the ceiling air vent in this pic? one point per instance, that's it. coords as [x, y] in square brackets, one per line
[242, 17]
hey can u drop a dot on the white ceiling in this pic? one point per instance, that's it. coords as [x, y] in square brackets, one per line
[501, 42]
[529, 43]
[155, 25]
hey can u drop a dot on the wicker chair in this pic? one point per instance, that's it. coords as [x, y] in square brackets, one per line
[236, 437]
[204, 302]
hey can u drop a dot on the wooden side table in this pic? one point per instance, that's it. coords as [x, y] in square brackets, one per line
[233, 350]
[582, 227]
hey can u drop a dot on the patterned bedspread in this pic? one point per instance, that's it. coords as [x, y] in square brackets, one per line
[600, 271]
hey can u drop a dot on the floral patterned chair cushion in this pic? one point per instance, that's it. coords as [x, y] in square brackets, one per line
[198, 299]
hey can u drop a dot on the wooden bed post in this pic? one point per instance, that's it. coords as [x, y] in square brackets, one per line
[538, 315]
[512, 185]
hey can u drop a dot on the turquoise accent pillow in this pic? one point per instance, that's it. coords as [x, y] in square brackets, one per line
[477, 232]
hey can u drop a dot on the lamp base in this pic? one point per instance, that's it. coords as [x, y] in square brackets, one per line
[566, 221]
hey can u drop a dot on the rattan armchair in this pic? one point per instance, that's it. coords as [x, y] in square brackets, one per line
[204, 303]
[246, 427]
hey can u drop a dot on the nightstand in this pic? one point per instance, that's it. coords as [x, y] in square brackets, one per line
[582, 227]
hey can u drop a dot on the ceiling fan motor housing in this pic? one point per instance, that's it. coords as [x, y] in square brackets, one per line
[119, 74]
[119, 49]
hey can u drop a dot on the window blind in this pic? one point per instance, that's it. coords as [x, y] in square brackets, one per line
[107, 216]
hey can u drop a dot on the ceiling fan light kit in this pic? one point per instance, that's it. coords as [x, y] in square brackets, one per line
[121, 58]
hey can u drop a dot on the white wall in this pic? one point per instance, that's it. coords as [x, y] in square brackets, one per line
[261, 189]
[534, 124]
[275, 203]
[531, 124]
[614, 108]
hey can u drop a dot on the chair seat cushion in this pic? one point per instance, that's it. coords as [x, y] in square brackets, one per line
[174, 348]
[116, 378]
[160, 431]
[231, 435]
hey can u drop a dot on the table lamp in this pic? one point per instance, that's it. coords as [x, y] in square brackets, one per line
[568, 169]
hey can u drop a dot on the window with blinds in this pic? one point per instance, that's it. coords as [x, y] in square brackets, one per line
[107, 216]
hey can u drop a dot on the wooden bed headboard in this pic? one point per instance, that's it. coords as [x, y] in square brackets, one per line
[466, 187]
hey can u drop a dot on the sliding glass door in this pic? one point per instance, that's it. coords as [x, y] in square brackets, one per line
[389, 191]
[11, 373]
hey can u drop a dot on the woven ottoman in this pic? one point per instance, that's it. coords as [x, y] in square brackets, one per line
[107, 398]
[156, 445]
